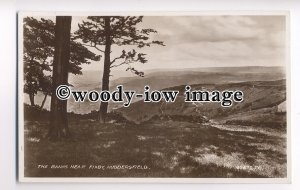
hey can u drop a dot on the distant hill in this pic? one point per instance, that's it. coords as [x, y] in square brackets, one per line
[164, 78]
[159, 79]
[259, 97]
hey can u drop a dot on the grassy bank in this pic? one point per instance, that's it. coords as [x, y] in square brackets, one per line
[163, 149]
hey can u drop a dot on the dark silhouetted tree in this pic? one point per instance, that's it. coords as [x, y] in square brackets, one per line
[38, 57]
[38, 47]
[58, 113]
[103, 32]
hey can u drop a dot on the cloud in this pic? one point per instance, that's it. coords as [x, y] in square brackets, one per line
[207, 41]
[219, 41]
[205, 28]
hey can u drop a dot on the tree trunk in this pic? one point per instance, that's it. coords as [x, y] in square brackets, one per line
[106, 70]
[58, 117]
[44, 100]
[31, 98]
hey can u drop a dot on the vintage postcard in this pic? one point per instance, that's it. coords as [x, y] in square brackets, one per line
[186, 97]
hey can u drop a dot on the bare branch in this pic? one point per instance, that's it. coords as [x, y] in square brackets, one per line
[115, 59]
[123, 63]
[98, 49]
[94, 46]
[122, 56]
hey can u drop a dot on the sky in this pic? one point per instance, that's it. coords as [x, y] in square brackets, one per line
[208, 41]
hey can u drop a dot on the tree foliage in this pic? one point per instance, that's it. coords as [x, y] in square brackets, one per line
[123, 32]
[39, 39]
[38, 47]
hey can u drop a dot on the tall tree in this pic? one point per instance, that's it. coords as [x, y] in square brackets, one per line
[38, 56]
[38, 47]
[105, 31]
[58, 116]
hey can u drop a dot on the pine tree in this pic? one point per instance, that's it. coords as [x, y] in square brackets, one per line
[58, 113]
[103, 32]
[38, 56]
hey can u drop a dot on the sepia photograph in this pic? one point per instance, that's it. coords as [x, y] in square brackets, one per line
[175, 97]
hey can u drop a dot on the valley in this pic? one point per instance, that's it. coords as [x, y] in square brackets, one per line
[171, 139]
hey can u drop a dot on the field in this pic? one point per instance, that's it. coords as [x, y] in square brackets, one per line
[159, 149]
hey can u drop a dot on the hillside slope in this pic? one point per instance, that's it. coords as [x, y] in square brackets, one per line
[260, 97]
